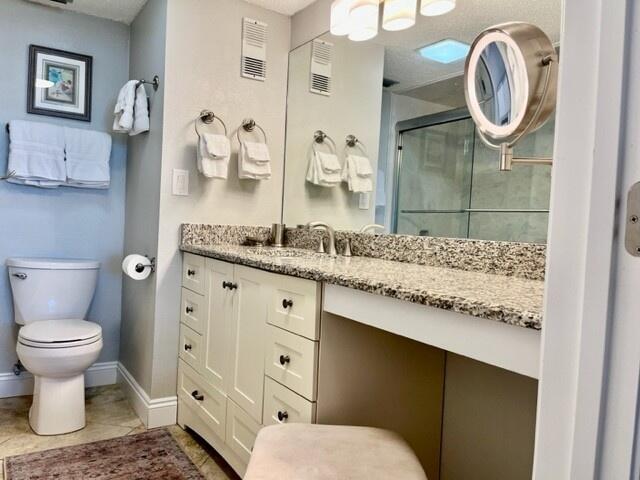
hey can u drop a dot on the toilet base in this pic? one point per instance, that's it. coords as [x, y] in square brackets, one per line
[58, 405]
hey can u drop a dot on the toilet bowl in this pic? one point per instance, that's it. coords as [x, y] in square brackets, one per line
[51, 298]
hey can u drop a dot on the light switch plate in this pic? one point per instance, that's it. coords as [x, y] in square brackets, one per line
[180, 182]
[364, 201]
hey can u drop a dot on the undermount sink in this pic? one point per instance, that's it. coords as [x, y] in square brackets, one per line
[278, 252]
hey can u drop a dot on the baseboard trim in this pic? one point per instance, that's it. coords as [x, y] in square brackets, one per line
[157, 412]
[98, 374]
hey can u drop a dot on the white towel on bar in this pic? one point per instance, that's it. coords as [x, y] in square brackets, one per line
[88, 153]
[255, 165]
[357, 173]
[324, 169]
[36, 154]
[132, 109]
[213, 165]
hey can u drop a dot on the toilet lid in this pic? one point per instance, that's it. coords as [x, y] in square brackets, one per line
[58, 333]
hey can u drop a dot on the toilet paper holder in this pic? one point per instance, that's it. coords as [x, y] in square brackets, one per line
[140, 267]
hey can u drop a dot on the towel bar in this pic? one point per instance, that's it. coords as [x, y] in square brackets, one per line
[155, 82]
[249, 125]
[319, 137]
[208, 117]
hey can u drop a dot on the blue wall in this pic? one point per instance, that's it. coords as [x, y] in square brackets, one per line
[64, 222]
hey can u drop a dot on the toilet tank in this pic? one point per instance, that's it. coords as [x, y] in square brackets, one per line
[51, 288]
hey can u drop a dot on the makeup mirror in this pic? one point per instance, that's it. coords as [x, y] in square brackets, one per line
[510, 86]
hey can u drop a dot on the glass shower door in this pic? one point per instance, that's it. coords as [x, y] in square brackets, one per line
[434, 172]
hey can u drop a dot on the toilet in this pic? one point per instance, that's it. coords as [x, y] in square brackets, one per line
[51, 298]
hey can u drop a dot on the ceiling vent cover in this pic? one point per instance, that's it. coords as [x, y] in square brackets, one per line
[254, 49]
[320, 80]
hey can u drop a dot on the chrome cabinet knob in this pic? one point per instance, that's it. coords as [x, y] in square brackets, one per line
[284, 359]
[283, 416]
[286, 303]
[197, 395]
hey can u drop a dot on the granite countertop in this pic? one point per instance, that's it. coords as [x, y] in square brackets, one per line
[511, 300]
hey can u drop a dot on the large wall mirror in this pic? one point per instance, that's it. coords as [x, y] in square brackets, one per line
[398, 100]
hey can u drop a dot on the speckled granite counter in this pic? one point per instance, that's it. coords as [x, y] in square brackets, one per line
[512, 300]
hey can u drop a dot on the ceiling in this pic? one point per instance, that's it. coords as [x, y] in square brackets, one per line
[118, 10]
[404, 65]
[126, 10]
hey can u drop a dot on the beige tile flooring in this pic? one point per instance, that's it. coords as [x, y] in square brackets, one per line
[109, 415]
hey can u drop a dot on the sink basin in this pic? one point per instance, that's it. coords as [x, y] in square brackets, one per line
[277, 252]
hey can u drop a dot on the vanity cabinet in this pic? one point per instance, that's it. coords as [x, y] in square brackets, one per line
[249, 342]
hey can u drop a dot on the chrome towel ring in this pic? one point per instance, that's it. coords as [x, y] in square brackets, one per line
[319, 137]
[249, 125]
[208, 117]
[353, 142]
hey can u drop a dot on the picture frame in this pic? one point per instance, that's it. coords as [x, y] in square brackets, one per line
[59, 83]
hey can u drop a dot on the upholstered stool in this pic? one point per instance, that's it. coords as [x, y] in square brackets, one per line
[308, 452]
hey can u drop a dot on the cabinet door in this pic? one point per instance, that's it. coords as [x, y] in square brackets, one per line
[247, 340]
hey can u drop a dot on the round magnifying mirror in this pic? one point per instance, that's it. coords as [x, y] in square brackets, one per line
[510, 81]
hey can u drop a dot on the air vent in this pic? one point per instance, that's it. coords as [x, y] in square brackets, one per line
[254, 49]
[320, 79]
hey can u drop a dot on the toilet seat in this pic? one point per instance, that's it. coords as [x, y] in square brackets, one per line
[59, 333]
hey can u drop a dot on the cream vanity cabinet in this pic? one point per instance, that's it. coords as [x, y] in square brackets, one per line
[249, 344]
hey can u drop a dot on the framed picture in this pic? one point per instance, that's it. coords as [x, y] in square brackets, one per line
[59, 83]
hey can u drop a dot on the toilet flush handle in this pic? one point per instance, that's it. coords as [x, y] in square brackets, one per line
[20, 275]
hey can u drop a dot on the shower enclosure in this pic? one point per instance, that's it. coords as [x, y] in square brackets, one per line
[448, 183]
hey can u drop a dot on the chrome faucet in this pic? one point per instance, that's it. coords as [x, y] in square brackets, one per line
[331, 247]
[371, 226]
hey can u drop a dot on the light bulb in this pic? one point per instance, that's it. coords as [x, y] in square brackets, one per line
[433, 8]
[399, 14]
[363, 17]
[340, 23]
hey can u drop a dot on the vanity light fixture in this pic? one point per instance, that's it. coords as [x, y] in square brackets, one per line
[399, 14]
[433, 8]
[363, 19]
[445, 51]
[340, 24]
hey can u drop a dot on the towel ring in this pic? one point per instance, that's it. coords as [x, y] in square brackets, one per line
[319, 137]
[208, 117]
[353, 142]
[249, 125]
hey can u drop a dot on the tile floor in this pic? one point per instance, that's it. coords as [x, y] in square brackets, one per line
[109, 415]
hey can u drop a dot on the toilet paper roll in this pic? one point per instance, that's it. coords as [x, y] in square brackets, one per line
[136, 266]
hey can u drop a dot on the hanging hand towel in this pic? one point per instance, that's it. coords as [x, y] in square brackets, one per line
[213, 165]
[254, 161]
[88, 153]
[123, 121]
[140, 112]
[357, 173]
[324, 169]
[36, 154]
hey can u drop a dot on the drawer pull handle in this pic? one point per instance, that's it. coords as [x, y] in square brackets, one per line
[284, 359]
[286, 303]
[191, 273]
[189, 310]
[187, 346]
[229, 285]
[197, 395]
[283, 416]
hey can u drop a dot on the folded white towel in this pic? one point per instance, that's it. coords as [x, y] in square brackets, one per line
[36, 154]
[257, 152]
[132, 109]
[212, 166]
[358, 182]
[249, 167]
[218, 146]
[324, 169]
[88, 153]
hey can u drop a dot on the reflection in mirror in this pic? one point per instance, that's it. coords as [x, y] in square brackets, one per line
[402, 95]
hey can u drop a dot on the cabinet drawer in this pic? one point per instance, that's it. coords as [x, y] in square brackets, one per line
[242, 430]
[190, 347]
[294, 305]
[209, 403]
[281, 405]
[291, 360]
[193, 311]
[193, 276]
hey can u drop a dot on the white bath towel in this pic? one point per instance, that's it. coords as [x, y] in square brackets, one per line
[132, 109]
[324, 169]
[88, 153]
[254, 166]
[36, 154]
[357, 173]
[218, 146]
[209, 165]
